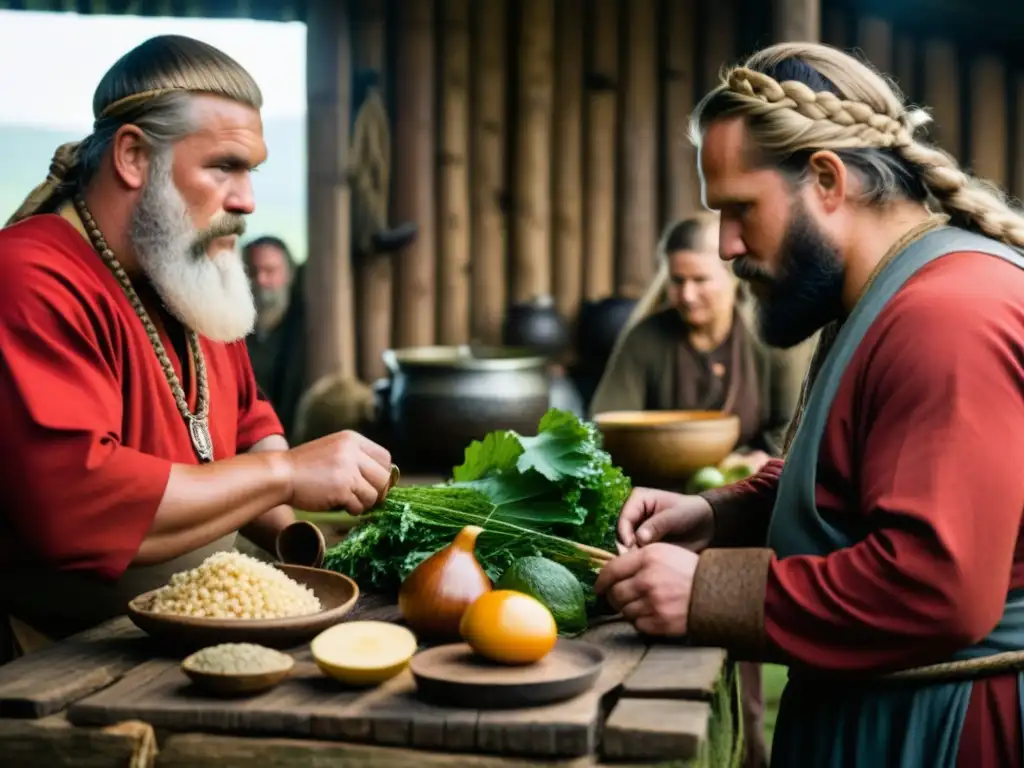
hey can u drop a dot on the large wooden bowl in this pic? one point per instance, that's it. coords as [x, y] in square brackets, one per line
[663, 448]
[337, 594]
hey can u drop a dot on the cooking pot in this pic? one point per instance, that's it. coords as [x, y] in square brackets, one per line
[536, 325]
[440, 399]
[599, 326]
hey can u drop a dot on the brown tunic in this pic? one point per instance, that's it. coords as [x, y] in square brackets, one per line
[655, 368]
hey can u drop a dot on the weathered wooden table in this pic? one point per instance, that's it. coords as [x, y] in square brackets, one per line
[106, 699]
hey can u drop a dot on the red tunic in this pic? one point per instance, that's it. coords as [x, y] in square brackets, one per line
[924, 440]
[90, 428]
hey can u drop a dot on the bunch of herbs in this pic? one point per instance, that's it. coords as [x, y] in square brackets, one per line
[531, 495]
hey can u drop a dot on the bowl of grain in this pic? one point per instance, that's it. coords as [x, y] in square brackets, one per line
[233, 598]
[237, 669]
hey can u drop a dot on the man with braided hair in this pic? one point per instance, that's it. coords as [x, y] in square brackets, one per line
[882, 560]
[135, 440]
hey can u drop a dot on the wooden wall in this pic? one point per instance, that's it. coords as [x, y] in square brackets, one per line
[541, 146]
[973, 87]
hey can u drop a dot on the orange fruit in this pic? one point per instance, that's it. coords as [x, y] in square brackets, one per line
[509, 627]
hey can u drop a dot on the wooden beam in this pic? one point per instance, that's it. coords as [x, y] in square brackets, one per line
[903, 66]
[54, 743]
[568, 157]
[489, 228]
[414, 194]
[531, 275]
[600, 150]
[453, 214]
[330, 322]
[942, 93]
[638, 204]
[720, 40]
[874, 36]
[989, 140]
[797, 20]
[682, 183]
[373, 271]
[1018, 138]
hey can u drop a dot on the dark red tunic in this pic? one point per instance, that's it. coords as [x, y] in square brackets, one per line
[89, 428]
[929, 448]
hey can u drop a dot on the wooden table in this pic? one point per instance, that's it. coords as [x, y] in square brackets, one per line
[106, 699]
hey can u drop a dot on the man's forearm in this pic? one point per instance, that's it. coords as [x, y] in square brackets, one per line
[264, 529]
[743, 510]
[203, 503]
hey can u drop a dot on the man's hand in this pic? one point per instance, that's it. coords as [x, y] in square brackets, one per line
[340, 471]
[651, 588]
[650, 515]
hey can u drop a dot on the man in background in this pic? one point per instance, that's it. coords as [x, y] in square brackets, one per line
[277, 344]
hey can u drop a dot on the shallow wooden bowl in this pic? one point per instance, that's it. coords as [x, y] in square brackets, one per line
[337, 593]
[663, 448]
[453, 675]
[233, 684]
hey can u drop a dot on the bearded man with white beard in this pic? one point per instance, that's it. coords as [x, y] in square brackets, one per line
[135, 440]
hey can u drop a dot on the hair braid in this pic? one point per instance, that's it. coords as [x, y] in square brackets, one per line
[805, 97]
[971, 202]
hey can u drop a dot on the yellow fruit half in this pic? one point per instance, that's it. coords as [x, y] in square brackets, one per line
[363, 652]
[509, 627]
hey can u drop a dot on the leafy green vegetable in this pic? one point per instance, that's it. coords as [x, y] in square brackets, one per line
[533, 496]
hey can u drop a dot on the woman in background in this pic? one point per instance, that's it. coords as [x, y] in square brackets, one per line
[690, 345]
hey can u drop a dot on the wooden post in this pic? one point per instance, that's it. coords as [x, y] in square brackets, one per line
[903, 66]
[989, 121]
[638, 205]
[330, 316]
[720, 43]
[797, 20]
[834, 28]
[600, 149]
[682, 182]
[1018, 137]
[568, 155]
[453, 214]
[489, 230]
[531, 240]
[414, 172]
[874, 36]
[942, 93]
[373, 272]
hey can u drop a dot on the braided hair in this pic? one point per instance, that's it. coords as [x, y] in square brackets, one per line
[799, 98]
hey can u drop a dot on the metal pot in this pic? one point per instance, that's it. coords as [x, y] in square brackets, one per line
[536, 325]
[599, 327]
[443, 398]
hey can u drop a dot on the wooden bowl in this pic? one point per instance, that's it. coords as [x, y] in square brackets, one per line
[663, 448]
[236, 684]
[337, 594]
[453, 675]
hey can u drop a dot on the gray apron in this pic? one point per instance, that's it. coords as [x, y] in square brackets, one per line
[46, 604]
[845, 725]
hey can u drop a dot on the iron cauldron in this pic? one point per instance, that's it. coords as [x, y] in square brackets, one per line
[439, 399]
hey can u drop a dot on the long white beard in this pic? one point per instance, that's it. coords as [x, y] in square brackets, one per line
[209, 294]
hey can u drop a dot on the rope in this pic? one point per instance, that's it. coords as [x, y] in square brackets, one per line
[369, 170]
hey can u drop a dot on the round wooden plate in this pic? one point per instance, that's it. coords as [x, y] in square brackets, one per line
[337, 593]
[454, 675]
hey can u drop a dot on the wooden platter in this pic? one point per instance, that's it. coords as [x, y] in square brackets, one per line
[453, 675]
[337, 593]
[309, 705]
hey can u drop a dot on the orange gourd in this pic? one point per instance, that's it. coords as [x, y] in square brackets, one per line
[434, 596]
[509, 627]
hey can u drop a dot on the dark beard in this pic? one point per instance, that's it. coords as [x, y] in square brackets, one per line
[807, 293]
